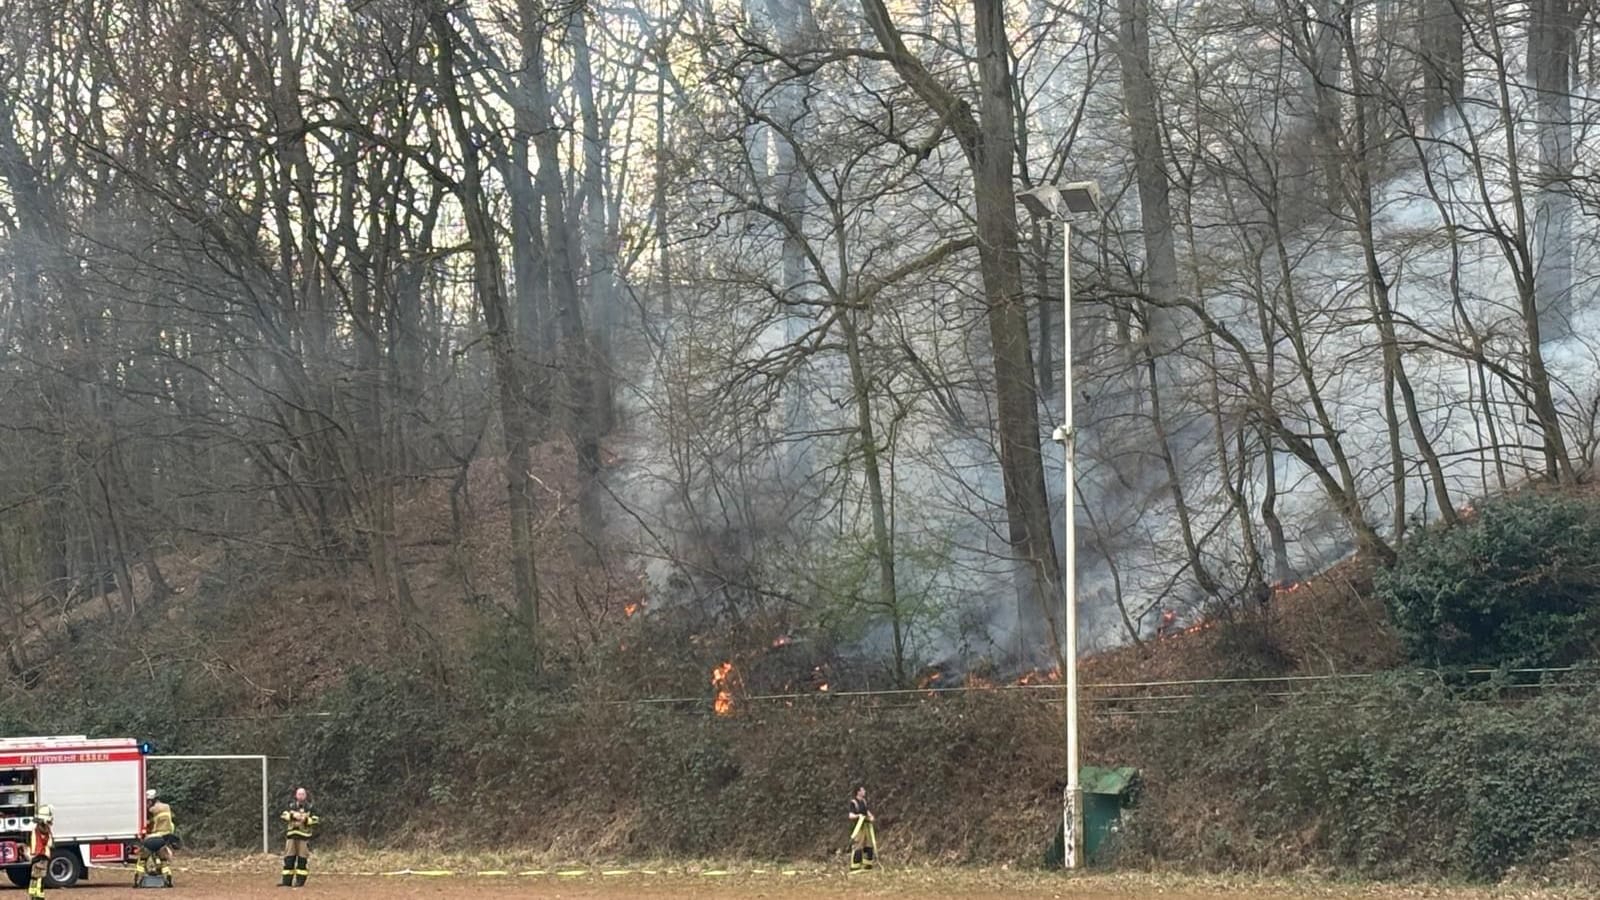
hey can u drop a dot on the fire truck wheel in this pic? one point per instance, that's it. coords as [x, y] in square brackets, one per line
[65, 868]
[18, 875]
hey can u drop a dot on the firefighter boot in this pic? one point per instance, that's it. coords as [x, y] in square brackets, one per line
[288, 872]
[300, 873]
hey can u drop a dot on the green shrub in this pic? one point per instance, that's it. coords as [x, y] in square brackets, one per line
[1399, 777]
[687, 772]
[773, 783]
[380, 749]
[1516, 585]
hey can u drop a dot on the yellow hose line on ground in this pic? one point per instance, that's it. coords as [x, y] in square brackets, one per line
[528, 873]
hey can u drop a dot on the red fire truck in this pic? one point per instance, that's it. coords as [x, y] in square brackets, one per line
[96, 788]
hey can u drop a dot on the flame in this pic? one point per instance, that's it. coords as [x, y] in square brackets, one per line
[1037, 677]
[723, 705]
[980, 682]
[782, 640]
[929, 679]
[823, 687]
[630, 609]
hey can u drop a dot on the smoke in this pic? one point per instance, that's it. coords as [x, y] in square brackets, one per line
[714, 509]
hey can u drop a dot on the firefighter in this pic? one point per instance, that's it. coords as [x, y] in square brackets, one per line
[300, 826]
[863, 835]
[160, 835]
[41, 844]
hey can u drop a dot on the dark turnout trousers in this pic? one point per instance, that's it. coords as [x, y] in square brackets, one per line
[296, 853]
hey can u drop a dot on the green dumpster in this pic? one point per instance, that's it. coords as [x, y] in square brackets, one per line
[1106, 793]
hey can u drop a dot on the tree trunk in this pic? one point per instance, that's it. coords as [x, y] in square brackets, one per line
[1180, 504]
[1018, 414]
[1233, 488]
[659, 208]
[601, 256]
[1042, 234]
[580, 416]
[1265, 322]
[1140, 98]
[1341, 489]
[33, 244]
[795, 28]
[1441, 33]
[1325, 70]
[119, 542]
[1397, 457]
[1358, 157]
[882, 537]
[1551, 36]
[530, 261]
[1435, 168]
[488, 284]
[987, 141]
[1520, 250]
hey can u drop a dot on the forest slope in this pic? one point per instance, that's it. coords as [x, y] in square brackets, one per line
[392, 712]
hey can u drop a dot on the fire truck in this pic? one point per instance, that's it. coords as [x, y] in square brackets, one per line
[96, 788]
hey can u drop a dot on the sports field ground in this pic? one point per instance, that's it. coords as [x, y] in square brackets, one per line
[232, 879]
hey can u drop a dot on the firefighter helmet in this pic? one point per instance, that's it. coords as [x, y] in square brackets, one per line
[44, 814]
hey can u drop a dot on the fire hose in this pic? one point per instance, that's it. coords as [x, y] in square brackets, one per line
[863, 822]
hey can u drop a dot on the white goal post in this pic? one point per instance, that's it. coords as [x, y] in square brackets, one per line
[266, 800]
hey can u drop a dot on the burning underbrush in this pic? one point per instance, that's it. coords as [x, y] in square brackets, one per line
[742, 669]
[1321, 625]
[983, 677]
[1302, 627]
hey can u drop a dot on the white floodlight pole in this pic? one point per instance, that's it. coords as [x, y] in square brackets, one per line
[1072, 806]
[1061, 202]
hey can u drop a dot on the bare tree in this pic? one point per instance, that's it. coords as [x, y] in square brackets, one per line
[987, 140]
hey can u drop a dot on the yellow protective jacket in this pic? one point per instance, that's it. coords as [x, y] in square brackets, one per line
[41, 842]
[299, 821]
[160, 822]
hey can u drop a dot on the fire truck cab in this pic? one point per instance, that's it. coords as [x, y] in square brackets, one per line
[96, 787]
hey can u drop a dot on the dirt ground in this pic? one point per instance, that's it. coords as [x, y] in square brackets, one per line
[925, 884]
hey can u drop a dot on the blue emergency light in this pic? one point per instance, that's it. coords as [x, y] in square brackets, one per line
[146, 748]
